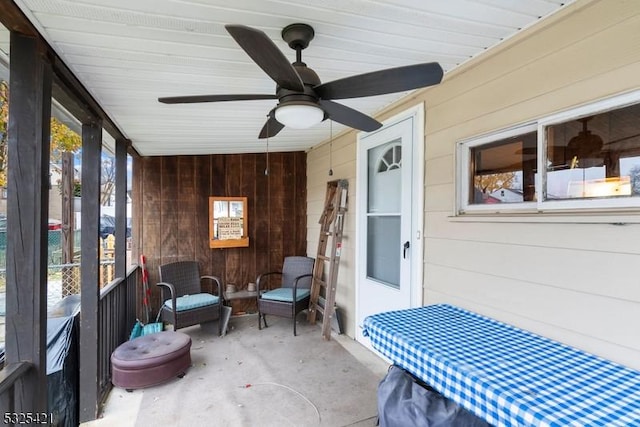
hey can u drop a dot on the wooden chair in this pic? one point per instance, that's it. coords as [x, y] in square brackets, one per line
[184, 302]
[293, 295]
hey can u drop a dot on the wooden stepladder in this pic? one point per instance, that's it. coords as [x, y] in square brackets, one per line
[323, 291]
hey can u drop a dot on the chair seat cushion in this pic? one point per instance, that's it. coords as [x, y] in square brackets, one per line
[189, 302]
[285, 294]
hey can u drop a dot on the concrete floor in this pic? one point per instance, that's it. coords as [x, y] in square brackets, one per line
[259, 378]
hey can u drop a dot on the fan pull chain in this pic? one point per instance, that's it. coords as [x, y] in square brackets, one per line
[266, 168]
[330, 147]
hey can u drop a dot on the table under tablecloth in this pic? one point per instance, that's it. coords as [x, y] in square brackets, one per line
[505, 375]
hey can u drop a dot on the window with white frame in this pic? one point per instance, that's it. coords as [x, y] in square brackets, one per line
[594, 160]
[589, 158]
[499, 170]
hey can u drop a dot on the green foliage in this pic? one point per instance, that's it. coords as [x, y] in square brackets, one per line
[63, 139]
[77, 187]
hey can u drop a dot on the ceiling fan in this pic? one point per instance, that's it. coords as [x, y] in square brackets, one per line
[303, 100]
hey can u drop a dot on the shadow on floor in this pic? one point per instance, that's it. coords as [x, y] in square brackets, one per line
[259, 378]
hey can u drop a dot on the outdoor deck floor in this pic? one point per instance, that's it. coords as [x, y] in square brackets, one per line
[259, 378]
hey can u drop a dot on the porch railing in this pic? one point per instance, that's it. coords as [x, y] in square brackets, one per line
[9, 376]
[116, 317]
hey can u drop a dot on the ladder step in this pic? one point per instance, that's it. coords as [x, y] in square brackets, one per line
[320, 282]
[324, 257]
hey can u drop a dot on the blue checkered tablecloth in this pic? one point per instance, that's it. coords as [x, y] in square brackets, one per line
[505, 375]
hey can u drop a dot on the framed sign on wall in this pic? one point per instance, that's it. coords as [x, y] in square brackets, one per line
[228, 222]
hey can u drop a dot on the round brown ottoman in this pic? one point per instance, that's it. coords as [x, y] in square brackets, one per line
[150, 359]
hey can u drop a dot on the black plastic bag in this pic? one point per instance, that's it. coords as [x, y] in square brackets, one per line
[403, 402]
[62, 362]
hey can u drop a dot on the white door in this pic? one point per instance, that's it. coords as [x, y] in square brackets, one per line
[389, 203]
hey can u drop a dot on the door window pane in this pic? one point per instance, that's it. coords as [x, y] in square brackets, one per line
[383, 254]
[383, 208]
[385, 179]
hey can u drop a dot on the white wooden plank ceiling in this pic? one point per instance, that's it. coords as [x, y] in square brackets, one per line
[128, 53]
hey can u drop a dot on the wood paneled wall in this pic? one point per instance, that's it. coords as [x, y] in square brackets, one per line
[171, 213]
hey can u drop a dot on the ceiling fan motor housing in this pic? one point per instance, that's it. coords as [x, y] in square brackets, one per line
[298, 35]
[310, 80]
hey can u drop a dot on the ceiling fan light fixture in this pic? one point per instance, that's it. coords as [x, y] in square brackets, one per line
[299, 115]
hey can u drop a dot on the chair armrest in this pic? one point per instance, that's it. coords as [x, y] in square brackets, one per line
[295, 284]
[218, 283]
[263, 275]
[172, 292]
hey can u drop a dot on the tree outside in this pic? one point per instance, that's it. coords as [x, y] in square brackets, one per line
[63, 139]
[108, 179]
[487, 184]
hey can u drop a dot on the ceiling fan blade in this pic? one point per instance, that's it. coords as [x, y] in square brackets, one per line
[350, 117]
[382, 82]
[266, 54]
[213, 98]
[271, 127]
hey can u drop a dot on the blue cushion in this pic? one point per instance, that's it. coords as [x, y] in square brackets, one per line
[285, 294]
[188, 302]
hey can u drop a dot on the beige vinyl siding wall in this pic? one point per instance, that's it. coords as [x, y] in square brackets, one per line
[566, 278]
[575, 282]
[343, 160]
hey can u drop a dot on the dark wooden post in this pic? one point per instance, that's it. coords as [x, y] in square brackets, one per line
[27, 212]
[121, 208]
[89, 280]
[121, 226]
